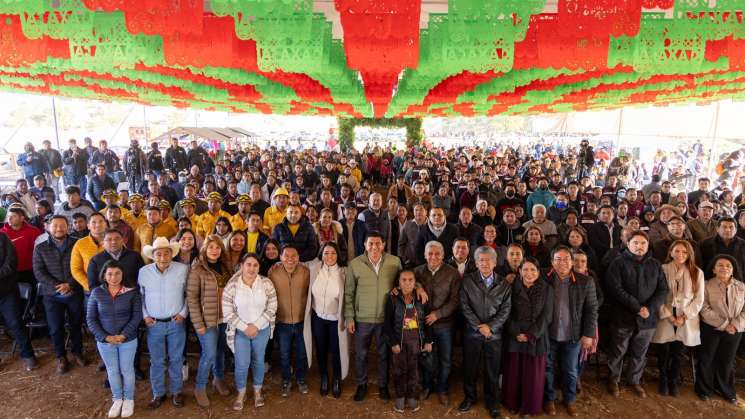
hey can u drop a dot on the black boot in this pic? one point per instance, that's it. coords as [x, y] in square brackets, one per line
[324, 385]
[336, 388]
[662, 387]
[672, 386]
[361, 393]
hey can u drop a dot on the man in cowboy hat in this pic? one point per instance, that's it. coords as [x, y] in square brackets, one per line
[238, 221]
[274, 214]
[137, 216]
[154, 227]
[206, 222]
[163, 288]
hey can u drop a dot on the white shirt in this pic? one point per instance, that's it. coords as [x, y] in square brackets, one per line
[376, 266]
[250, 302]
[325, 293]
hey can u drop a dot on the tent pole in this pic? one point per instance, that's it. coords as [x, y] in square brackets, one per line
[713, 140]
[56, 128]
[620, 128]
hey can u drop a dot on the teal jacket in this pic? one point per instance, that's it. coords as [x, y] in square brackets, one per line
[365, 292]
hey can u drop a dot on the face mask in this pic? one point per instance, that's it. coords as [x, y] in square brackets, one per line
[561, 205]
[510, 193]
[621, 195]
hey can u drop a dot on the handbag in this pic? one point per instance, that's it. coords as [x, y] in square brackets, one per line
[427, 362]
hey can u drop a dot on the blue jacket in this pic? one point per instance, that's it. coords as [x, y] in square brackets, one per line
[120, 315]
[305, 240]
[37, 166]
[540, 196]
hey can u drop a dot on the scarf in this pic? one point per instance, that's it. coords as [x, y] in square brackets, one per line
[436, 231]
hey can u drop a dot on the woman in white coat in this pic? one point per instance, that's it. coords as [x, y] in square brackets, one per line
[679, 315]
[324, 317]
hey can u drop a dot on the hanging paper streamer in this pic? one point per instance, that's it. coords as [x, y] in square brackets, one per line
[480, 57]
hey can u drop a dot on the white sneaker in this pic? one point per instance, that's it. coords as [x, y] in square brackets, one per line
[128, 408]
[116, 409]
[185, 372]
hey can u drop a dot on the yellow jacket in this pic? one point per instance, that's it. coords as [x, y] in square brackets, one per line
[272, 217]
[145, 234]
[357, 173]
[82, 253]
[238, 222]
[206, 222]
[134, 221]
[171, 222]
[125, 214]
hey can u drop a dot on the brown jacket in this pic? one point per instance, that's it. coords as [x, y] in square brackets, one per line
[203, 295]
[443, 289]
[292, 292]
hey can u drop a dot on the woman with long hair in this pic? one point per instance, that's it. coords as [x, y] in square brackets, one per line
[269, 256]
[679, 314]
[189, 249]
[535, 247]
[236, 248]
[722, 328]
[249, 303]
[223, 228]
[527, 340]
[324, 318]
[209, 274]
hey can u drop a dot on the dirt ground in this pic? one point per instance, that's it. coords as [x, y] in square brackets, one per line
[80, 394]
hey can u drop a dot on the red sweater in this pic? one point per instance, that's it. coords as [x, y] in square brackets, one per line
[23, 241]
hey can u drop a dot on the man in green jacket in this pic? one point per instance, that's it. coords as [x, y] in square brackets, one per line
[370, 278]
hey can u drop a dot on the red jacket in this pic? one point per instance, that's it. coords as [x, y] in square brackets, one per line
[23, 240]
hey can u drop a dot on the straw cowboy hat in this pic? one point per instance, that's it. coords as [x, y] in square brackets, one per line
[160, 243]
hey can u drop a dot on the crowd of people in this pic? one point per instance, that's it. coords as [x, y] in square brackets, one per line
[531, 261]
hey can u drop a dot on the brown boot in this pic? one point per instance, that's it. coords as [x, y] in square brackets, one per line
[202, 399]
[572, 409]
[613, 389]
[221, 386]
[80, 360]
[550, 408]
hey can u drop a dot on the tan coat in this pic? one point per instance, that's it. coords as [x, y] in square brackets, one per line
[314, 267]
[203, 296]
[292, 292]
[682, 298]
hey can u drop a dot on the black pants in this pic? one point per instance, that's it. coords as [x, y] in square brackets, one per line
[55, 308]
[476, 348]
[716, 362]
[326, 337]
[668, 361]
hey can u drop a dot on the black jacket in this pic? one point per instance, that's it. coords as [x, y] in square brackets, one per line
[632, 284]
[176, 159]
[506, 236]
[395, 310]
[8, 264]
[305, 240]
[52, 266]
[474, 234]
[532, 312]
[129, 259]
[599, 238]
[75, 165]
[714, 246]
[447, 238]
[470, 265]
[583, 304]
[96, 186]
[481, 305]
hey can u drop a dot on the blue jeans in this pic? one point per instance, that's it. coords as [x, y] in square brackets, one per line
[443, 350]
[166, 338]
[567, 354]
[213, 345]
[249, 353]
[120, 368]
[287, 334]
